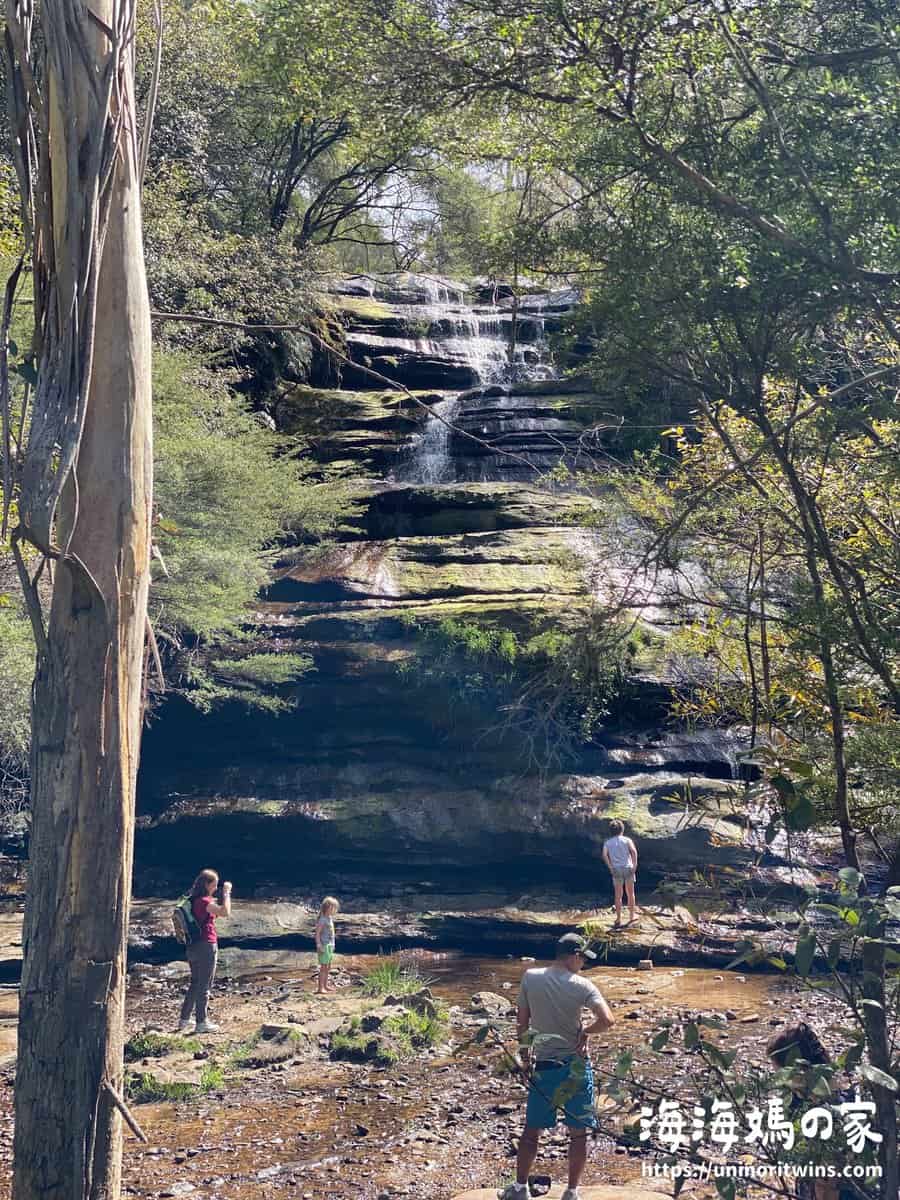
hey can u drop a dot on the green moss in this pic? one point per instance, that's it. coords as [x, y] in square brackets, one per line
[270, 808]
[363, 307]
[324, 411]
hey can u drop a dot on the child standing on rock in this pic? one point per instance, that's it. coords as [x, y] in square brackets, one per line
[325, 942]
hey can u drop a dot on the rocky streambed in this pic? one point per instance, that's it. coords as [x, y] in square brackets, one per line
[279, 1115]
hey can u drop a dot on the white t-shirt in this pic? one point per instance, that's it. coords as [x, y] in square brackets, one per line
[619, 849]
[555, 998]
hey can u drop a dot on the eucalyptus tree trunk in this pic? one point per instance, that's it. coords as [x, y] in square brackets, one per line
[84, 492]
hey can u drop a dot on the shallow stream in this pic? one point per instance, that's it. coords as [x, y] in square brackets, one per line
[431, 1126]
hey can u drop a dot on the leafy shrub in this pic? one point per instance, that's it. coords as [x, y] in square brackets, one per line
[545, 694]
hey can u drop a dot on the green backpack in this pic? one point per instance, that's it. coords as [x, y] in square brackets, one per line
[186, 926]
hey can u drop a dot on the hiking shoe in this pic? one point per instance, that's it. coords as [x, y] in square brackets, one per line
[185, 1026]
[515, 1191]
[570, 1194]
[210, 1027]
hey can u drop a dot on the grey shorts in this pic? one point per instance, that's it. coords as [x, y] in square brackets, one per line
[624, 876]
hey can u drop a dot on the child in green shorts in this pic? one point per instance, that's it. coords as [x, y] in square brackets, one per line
[325, 942]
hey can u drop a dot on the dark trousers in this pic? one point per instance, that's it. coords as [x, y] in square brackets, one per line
[201, 958]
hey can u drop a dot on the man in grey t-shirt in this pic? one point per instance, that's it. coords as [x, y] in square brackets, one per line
[553, 1042]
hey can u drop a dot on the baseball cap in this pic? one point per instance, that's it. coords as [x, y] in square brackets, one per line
[573, 943]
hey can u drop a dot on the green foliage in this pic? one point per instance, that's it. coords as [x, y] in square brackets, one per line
[144, 1087]
[391, 977]
[227, 489]
[552, 689]
[416, 1030]
[158, 1045]
[16, 671]
[364, 1047]
[399, 1037]
[249, 680]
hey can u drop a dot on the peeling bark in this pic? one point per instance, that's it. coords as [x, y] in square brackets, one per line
[87, 691]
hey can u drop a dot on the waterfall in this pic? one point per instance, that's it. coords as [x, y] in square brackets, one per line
[431, 462]
[481, 355]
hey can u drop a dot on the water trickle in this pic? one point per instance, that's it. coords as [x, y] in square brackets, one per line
[431, 462]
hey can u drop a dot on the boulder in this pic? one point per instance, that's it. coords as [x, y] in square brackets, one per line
[374, 1020]
[421, 1001]
[488, 1004]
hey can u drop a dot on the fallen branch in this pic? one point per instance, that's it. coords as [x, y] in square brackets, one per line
[123, 1109]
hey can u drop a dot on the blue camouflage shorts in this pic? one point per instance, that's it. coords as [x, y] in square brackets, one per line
[565, 1090]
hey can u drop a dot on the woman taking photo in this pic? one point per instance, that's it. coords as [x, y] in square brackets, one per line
[202, 950]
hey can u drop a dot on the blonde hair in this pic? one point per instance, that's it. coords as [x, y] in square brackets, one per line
[202, 882]
[329, 902]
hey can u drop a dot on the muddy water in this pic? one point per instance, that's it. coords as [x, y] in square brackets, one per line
[433, 1126]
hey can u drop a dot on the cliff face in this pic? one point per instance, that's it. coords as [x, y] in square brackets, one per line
[384, 767]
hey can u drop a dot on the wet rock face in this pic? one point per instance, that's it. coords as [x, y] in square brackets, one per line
[428, 332]
[452, 519]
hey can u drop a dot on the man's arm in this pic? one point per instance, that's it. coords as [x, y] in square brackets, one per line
[632, 850]
[603, 1019]
[523, 1020]
[606, 857]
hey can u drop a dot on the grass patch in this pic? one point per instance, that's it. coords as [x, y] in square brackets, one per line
[240, 1050]
[415, 1030]
[157, 1045]
[393, 978]
[143, 1087]
[364, 1047]
[399, 1038]
[212, 1078]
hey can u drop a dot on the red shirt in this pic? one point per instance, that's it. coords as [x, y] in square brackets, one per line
[204, 918]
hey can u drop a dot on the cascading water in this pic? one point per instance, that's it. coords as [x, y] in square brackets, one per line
[431, 462]
[502, 350]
